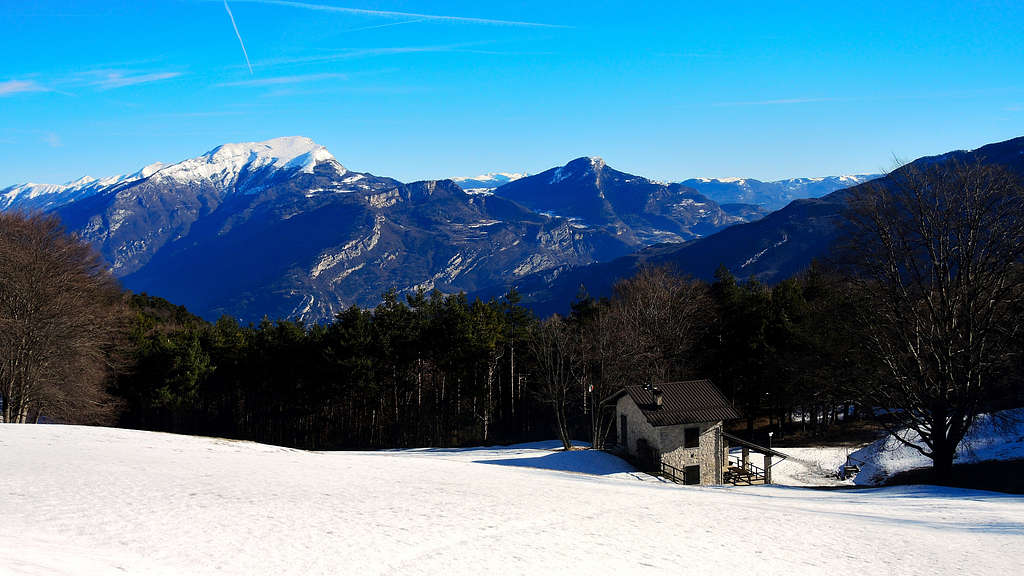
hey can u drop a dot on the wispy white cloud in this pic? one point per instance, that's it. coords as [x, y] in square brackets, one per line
[12, 87]
[504, 52]
[109, 79]
[370, 52]
[292, 91]
[779, 102]
[396, 14]
[388, 25]
[688, 54]
[237, 33]
[208, 114]
[929, 95]
[284, 80]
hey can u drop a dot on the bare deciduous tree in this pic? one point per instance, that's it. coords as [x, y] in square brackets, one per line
[936, 253]
[556, 354]
[644, 334]
[657, 317]
[60, 313]
[599, 347]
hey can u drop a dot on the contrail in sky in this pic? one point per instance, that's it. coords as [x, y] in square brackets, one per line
[395, 14]
[389, 24]
[235, 26]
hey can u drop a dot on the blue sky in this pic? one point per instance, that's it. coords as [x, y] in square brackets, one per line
[418, 90]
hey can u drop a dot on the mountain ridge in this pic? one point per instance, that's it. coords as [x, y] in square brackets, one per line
[772, 248]
[282, 229]
[776, 194]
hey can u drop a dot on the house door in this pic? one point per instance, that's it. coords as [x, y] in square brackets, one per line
[623, 433]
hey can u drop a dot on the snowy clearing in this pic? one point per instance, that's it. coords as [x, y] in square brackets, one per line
[808, 466]
[79, 500]
[1001, 438]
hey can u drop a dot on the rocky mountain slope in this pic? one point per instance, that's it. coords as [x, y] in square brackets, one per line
[638, 210]
[770, 249]
[282, 229]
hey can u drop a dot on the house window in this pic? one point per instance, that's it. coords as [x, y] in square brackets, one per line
[691, 474]
[691, 437]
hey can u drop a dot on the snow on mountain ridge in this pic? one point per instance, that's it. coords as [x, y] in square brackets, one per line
[854, 178]
[151, 169]
[503, 176]
[35, 196]
[485, 184]
[225, 163]
[222, 165]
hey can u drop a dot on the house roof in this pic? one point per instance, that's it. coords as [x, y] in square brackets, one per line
[681, 403]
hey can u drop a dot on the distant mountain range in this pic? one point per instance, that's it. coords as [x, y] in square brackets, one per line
[735, 195]
[772, 195]
[282, 229]
[486, 183]
[770, 249]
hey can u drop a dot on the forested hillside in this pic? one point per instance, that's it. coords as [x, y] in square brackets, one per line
[436, 370]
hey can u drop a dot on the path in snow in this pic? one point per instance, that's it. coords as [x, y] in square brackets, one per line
[79, 500]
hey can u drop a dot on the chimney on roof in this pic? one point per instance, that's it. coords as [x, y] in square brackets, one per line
[657, 397]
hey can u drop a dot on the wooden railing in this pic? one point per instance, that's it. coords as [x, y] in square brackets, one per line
[737, 462]
[744, 473]
[674, 474]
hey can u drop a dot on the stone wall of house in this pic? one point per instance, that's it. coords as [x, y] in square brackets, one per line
[637, 426]
[709, 454]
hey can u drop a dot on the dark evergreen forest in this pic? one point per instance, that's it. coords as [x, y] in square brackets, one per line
[440, 370]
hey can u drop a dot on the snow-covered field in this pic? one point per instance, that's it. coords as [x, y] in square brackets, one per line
[79, 500]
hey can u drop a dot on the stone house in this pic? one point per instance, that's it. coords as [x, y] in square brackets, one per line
[675, 428]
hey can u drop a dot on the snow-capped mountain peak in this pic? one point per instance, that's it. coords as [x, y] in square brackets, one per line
[220, 167]
[485, 183]
[149, 170]
[281, 153]
[503, 176]
[84, 180]
[224, 164]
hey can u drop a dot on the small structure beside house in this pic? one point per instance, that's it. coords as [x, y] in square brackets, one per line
[676, 429]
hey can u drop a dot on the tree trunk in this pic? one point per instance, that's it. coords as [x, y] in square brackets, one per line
[563, 429]
[942, 463]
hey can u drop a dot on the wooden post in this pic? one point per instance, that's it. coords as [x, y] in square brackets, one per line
[746, 459]
[767, 468]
